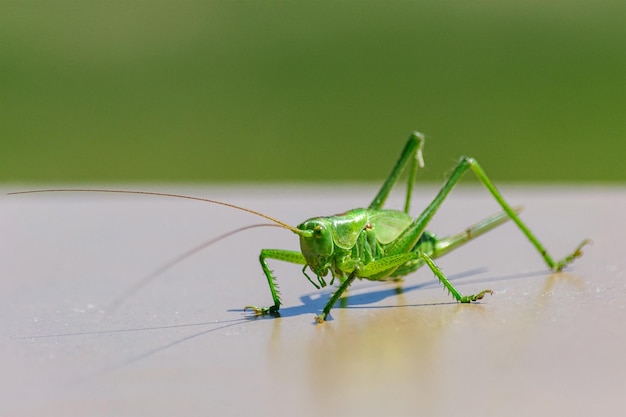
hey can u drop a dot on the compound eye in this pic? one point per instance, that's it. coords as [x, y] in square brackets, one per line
[317, 231]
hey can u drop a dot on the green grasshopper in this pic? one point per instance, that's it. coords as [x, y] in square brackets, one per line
[379, 244]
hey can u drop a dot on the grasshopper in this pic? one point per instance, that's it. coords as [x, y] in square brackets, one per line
[379, 244]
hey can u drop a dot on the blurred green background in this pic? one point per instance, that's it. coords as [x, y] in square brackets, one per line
[214, 91]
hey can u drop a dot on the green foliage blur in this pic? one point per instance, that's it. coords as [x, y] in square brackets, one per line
[317, 91]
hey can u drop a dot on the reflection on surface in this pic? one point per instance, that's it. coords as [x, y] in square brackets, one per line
[397, 359]
[382, 352]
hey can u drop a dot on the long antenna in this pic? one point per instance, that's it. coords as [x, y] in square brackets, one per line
[154, 193]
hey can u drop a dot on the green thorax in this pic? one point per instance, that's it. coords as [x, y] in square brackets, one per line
[341, 242]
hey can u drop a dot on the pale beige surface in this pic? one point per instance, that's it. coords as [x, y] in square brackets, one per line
[541, 345]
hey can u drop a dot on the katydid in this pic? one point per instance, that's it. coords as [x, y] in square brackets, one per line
[378, 244]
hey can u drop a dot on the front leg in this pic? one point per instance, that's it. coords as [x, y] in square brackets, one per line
[336, 295]
[280, 255]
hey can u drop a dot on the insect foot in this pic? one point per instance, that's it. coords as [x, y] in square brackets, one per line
[262, 311]
[321, 318]
[577, 253]
[479, 296]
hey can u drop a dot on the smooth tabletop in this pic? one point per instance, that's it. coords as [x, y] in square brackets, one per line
[76, 340]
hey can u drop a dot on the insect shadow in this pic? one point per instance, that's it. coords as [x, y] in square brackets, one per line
[310, 302]
[218, 325]
[367, 295]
